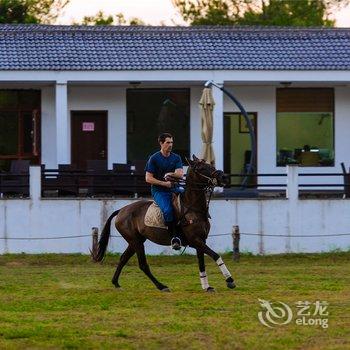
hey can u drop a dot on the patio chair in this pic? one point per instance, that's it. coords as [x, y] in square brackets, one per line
[142, 187]
[16, 181]
[121, 168]
[309, 159]
[99, 182]
[124, 179]
[67, 182]
[61, 181]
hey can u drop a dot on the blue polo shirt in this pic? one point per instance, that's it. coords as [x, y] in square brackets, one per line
[159, 165]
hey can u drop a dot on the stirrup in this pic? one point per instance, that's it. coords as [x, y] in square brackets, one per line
[175, 243]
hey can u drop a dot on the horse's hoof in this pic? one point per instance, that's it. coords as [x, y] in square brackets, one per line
[166, 289]
[210, 290]
[231, 285]
[117, 285]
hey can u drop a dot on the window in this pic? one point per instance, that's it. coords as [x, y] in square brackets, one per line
[237, 146]
[305, 127]
[19, 126]
[152, 111]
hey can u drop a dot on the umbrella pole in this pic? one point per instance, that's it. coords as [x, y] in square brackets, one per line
[249, 124]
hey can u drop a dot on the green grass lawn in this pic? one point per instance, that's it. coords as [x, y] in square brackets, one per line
[68, 302]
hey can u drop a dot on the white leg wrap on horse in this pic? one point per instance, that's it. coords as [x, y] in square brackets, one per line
[223, 268]
[204, 280]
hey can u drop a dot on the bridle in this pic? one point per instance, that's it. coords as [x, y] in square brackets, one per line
[207, 187]
[202, 186]
[211, 179]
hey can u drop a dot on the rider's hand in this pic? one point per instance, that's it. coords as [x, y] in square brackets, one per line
[168, 176]
[168, 184]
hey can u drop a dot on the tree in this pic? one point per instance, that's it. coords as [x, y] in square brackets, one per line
[101, 19]
[30, 11]
[303, 13]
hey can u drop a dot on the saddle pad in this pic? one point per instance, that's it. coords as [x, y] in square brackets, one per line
[154, 217]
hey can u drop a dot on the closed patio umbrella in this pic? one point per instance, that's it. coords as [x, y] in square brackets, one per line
[207, 105]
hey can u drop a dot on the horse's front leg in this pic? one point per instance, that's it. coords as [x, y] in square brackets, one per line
[202, 274]
[201, 246]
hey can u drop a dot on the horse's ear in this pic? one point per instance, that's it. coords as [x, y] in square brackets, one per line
[195, 158]
[189, 161]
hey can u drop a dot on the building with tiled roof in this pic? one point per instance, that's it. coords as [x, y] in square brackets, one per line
[75, 98]
[40, 47]
[292, 81]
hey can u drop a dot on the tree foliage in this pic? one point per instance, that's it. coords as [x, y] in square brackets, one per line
[99, 19]
[102, 19]
[303, 13]
[31, 11]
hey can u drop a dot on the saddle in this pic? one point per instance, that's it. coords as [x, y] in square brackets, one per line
[154, 216]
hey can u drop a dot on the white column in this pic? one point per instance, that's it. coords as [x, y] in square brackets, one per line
[35, 182]
[117, 128]
[195, 122]
[62, 124]
[292, 192]
[218, 132]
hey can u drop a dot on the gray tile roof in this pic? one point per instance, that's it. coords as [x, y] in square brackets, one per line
[43, 47]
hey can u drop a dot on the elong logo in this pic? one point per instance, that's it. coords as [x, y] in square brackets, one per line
[279, 313]
[273, 314]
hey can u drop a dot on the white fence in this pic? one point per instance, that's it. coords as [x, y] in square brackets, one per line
[59, 225]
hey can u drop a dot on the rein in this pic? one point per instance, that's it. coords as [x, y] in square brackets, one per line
[206, 187]
[211, 179]
[202, 186]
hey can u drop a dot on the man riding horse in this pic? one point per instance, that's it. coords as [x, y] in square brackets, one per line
[161, 167]
[130, 222]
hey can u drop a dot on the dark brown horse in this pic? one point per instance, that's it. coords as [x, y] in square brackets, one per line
[195, 226]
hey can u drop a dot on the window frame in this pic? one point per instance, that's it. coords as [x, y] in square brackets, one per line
[131, 116]
[36, 119]
[333, 124]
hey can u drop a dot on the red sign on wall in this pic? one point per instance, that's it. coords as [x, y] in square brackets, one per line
[88, 126]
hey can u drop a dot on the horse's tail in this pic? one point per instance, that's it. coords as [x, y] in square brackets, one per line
[103, 242]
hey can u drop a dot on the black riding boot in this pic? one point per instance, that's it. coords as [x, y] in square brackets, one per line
[175, 240]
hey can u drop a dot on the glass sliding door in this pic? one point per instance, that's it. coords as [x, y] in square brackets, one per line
[305, 127]
[19, 126]
[153, 111]
[9, 131]
[237, 148]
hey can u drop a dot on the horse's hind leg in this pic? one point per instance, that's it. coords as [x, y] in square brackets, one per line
[128, 253]
[140, 251]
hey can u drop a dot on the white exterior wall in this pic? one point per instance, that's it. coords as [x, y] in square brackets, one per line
[50, 218]
[262, 99]
[113, 100]
[55, 218]
[285, 219]
[201, 76]
[80, 98]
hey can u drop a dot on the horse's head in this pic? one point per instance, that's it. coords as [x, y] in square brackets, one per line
[205, 173]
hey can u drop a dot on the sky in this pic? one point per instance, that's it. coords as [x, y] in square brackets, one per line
[150, 11]
[154, 12]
